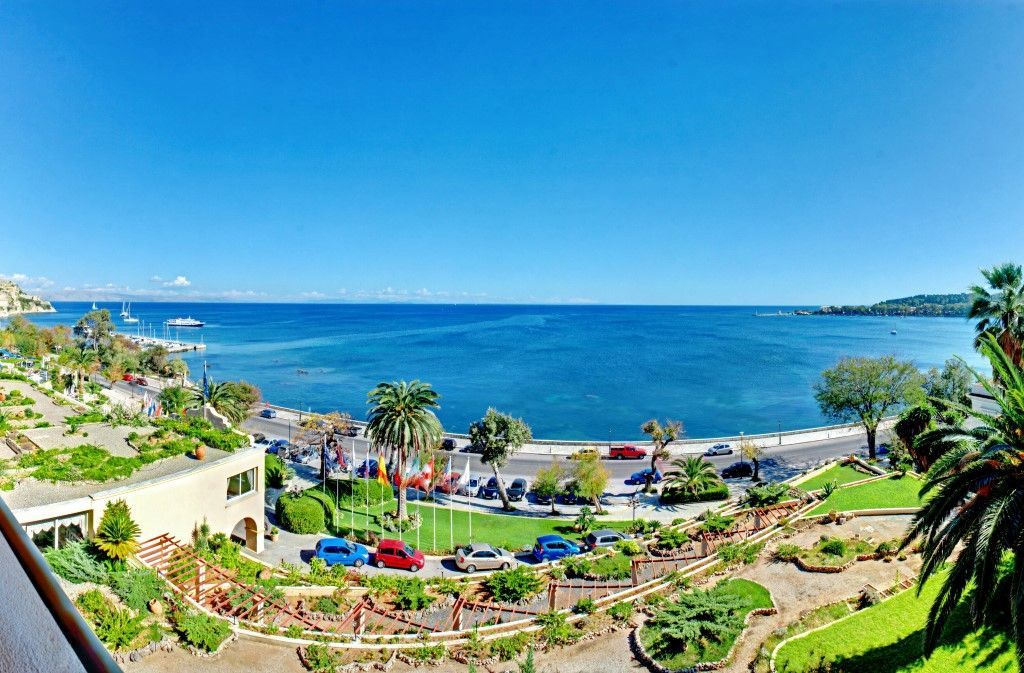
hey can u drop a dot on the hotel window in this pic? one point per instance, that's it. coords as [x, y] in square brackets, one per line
[55, 533]
[243, 483]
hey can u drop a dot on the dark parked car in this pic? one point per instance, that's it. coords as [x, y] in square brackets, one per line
[517, 491]
[640, 478]
[471, 448]
[489, 491]
[447, 444]
[367, 471]
[738, 470]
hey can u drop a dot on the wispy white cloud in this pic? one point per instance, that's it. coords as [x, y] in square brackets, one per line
[31, 284]
[179, 281]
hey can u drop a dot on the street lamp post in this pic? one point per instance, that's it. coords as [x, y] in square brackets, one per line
[634, 500]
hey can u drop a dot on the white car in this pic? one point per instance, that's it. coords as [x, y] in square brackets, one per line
[719, 450]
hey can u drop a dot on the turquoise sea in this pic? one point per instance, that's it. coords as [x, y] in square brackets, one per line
[571, 371]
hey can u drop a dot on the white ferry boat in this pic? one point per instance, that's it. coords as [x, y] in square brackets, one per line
[185, 322]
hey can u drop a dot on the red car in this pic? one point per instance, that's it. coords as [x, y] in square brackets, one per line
[141, 381]
[397, 554]
[628, 451]
[130, 378]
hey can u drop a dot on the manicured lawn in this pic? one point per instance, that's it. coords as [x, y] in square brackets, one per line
[755, 595]
[902, 492]
[511, 532]
[841, 474]
[887, 638]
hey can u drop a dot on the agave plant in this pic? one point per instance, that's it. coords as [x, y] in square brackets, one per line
[117, 533]
[976, 506]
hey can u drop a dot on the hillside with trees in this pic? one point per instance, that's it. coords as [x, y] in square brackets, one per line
[930, 305]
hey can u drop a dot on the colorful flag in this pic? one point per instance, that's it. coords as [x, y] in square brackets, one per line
[464, 477]
[382, 475]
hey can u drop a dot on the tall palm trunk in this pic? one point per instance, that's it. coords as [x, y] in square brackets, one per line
[501, 489]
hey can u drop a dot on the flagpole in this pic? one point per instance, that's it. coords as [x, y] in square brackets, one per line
[352, 485]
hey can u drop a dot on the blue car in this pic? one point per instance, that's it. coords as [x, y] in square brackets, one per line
[367, 472]
[553, 547]
[335, 550]
[489, 491]
[640, 478]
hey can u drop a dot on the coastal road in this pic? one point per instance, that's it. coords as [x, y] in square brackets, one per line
[781, 462]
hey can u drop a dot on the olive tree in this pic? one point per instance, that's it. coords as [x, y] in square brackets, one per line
[547, 483]
[865, 389]
[498, 436]
[591, 479]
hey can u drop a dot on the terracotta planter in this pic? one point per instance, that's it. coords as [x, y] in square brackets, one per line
[200, 452]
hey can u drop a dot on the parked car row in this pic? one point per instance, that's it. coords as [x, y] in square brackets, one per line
[469, 558]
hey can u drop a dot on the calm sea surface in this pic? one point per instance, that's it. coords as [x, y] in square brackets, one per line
[570, 371]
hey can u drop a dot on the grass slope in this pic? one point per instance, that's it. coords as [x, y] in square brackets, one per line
[901, 492]
[887, 638]
[841, 474]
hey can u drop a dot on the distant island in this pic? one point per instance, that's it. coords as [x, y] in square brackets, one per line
[14, 300]
[929, 305]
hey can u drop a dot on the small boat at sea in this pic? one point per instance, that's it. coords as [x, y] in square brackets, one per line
[126, 315]
[892, 331]
[185, 322]
[124, 310]
[94, 306]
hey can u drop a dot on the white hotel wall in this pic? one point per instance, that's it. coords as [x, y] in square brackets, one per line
[176, 503]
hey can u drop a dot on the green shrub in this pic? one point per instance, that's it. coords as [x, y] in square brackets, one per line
[513, 585]
[508, 648]
[767, 494]
[678, 496]
[556, 630]
[643, 526]
[833, 547]
[743, 552]
[76, 562]
[326, 605]
[786, 552]
[716, 523]
[321, 659]
[93, 603]
[585, 606]
[576, 566]
[410, 594]
[448, 586]
[275, 472]
[137, 587]
[118, 629]
[202, 631]
[629, 548]
[622, 612]
[672, 538]
[300, 514]
[429, 654]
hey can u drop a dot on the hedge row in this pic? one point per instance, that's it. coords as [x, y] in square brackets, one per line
[674, 496]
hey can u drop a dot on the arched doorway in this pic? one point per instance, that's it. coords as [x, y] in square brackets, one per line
[246, 532]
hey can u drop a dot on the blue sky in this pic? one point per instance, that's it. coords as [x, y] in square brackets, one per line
[620, 152]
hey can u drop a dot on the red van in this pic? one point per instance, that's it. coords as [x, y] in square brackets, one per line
[398, 554]
[627, 451]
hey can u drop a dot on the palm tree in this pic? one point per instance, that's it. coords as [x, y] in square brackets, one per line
[693, 475]
[177, 399]
[225, 399]
[401, 420]
[999, 308]
[82, 362]
[976, 512]
[117, 534]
